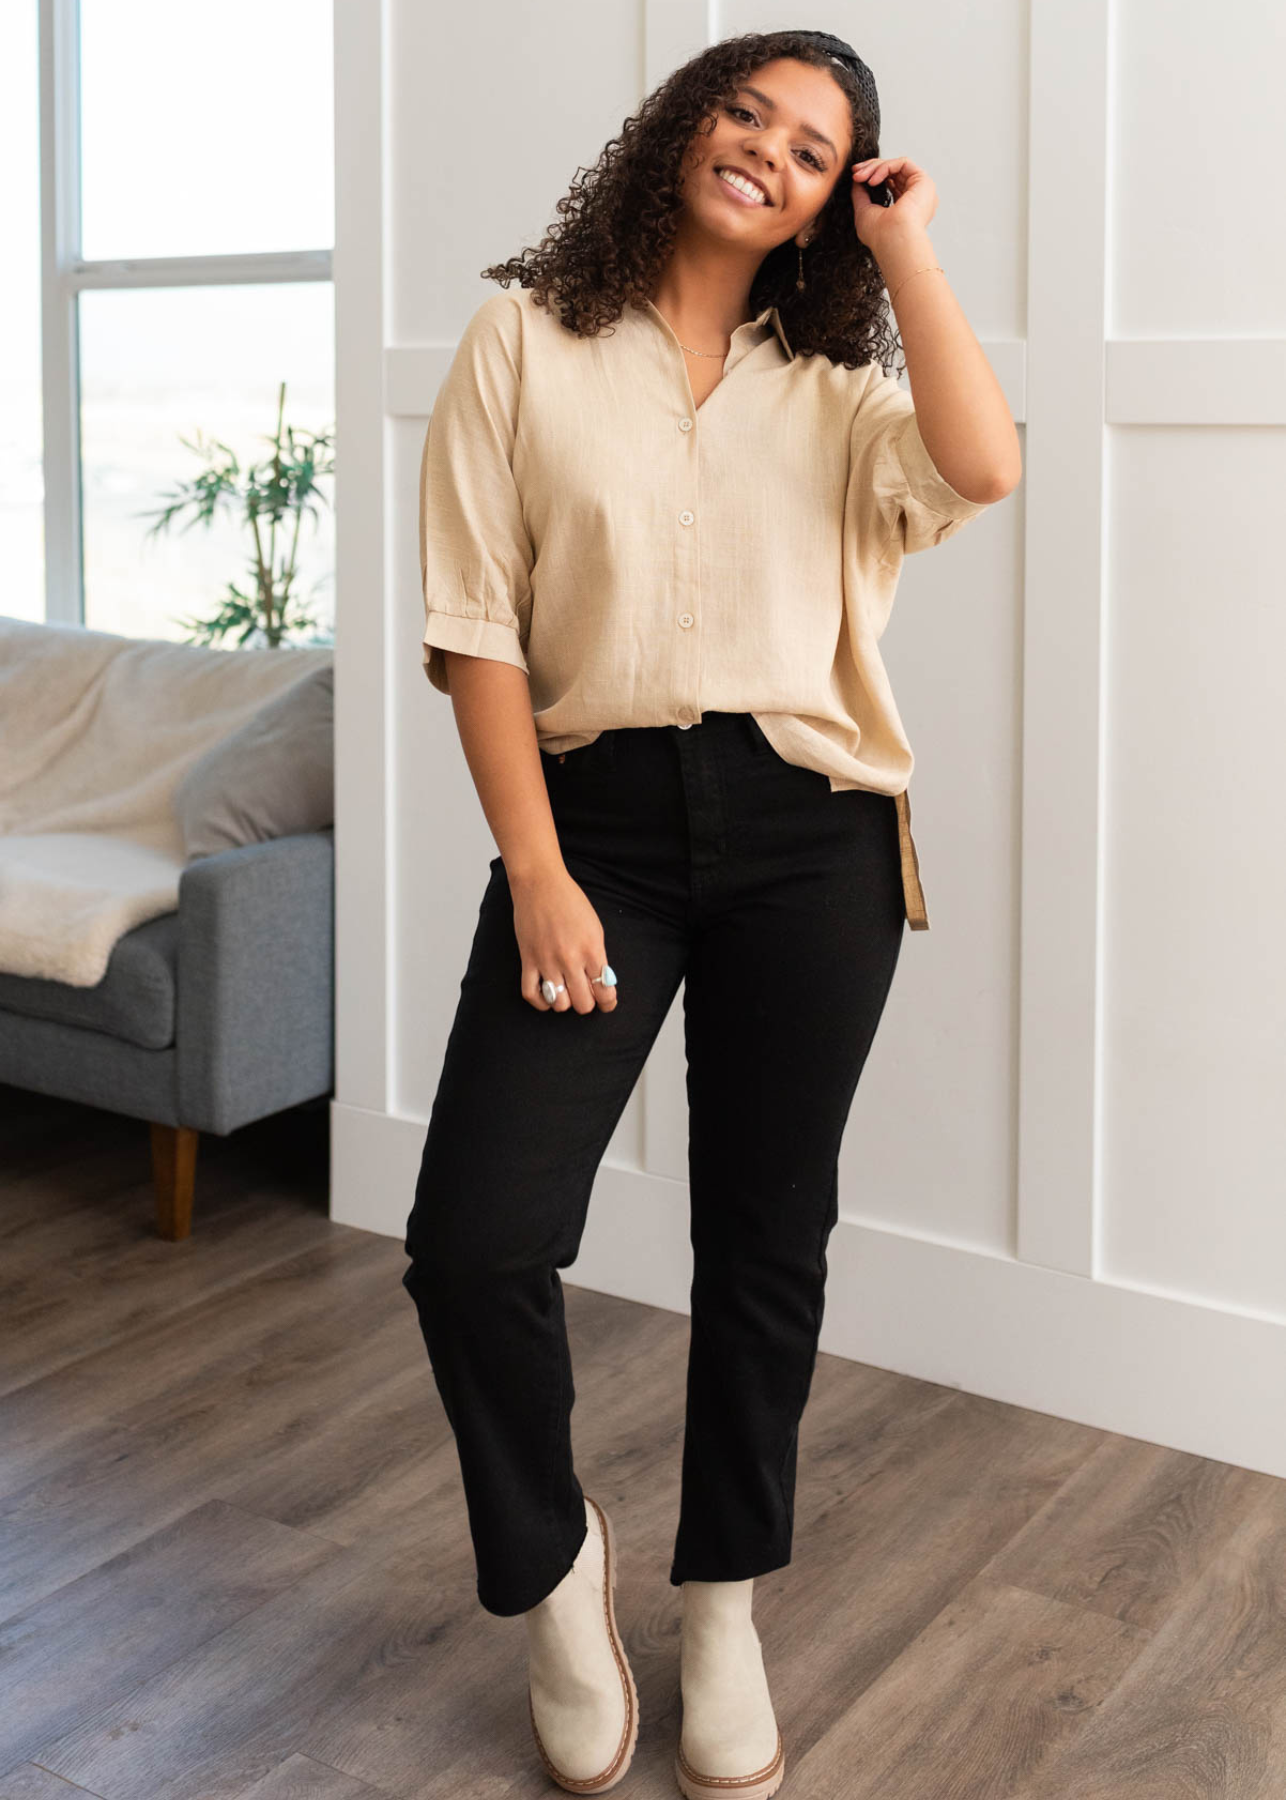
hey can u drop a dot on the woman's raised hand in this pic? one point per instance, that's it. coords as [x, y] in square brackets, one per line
[915, 199]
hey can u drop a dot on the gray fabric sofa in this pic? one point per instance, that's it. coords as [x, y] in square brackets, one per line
[207, 1018]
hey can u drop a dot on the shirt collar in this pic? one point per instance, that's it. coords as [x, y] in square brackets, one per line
[768, 315]
[770, 312]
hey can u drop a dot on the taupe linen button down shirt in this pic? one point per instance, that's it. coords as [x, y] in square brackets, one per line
[645, 559]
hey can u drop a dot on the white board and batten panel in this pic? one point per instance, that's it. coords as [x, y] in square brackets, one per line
[1194, 1051]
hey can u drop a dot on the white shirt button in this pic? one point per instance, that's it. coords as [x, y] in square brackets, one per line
[685, 619]
[686, 518]
[685, 424]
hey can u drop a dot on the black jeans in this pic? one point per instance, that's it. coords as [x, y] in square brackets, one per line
[713, 862]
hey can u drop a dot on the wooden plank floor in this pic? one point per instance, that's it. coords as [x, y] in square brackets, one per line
[234, 1558]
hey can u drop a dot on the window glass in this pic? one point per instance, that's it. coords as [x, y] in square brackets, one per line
[22, 486]
[160, 365]
[205, 130]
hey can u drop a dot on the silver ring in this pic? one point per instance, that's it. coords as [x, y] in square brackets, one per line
[608, 977]
[551, 992]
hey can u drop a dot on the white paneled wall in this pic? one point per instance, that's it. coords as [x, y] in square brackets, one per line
[1062, 1178]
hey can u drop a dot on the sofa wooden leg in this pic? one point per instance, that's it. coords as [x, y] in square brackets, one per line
[174, 1174]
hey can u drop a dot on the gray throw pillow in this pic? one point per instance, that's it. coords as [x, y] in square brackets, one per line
[272, 777]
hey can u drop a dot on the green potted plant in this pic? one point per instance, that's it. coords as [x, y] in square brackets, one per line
[271, 495]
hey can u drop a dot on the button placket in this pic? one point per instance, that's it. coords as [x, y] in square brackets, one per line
[687, 569]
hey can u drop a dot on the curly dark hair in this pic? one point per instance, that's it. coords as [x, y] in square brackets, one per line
[620, 218]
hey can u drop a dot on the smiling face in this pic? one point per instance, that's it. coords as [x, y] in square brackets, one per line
[787, 133]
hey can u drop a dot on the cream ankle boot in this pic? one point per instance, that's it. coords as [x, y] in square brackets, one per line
[729, 1743]
[583, 1702]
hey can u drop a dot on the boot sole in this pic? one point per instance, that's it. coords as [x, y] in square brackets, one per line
[599, 1784]
[756, 1786]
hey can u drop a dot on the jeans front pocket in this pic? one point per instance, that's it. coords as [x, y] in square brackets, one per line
[584, 756]
[576, 777]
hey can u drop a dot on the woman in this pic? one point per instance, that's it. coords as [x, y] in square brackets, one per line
[666, 492]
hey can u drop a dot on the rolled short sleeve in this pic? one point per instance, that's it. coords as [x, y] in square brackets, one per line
[476, 555]
[914, 506]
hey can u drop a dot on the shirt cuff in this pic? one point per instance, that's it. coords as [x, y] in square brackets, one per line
[932, 490]
[471, 637]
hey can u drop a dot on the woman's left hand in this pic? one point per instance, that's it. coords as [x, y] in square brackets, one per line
[915, 199]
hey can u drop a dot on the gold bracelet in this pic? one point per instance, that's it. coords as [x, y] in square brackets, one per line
[927, 269]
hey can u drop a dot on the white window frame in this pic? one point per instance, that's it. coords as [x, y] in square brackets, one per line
[64, 275]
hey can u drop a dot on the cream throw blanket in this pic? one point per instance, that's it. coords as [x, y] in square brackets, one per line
[96, 732]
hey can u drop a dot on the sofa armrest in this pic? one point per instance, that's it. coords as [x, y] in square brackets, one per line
[256, 983]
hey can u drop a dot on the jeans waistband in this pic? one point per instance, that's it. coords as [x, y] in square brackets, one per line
[734, 725]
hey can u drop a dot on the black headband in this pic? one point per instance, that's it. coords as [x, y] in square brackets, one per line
[845, 53]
